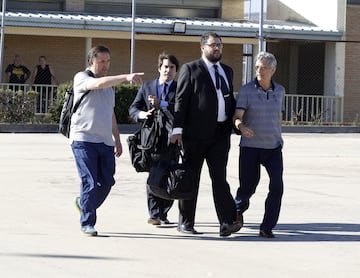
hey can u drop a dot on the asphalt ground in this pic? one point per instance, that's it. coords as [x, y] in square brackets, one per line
[318, 234]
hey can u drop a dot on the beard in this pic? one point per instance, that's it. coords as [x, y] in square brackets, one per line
[213, 57]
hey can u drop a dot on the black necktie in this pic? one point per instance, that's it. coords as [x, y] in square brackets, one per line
[221, 83]
[163, 92]
[217, 77]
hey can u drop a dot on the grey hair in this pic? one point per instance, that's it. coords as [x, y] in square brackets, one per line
[268, 58]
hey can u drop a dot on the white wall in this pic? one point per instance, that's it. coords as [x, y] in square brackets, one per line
[327, 14]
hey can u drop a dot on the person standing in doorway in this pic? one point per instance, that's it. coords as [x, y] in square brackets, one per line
[43, 75]
[157, 94]
[204, 106]
[94, 135]
[258, 117]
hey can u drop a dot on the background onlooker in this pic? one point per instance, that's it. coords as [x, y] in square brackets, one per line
[17, 73]
[43, 75]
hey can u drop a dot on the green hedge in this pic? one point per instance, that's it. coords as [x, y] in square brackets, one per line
[17, 107]
[124, 96]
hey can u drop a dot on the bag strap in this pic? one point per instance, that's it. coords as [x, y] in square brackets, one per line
[181, 152]
[76, 105]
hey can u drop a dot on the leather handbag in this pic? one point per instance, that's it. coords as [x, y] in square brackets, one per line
[171, 178]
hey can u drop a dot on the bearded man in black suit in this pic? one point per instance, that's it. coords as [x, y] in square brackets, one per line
[204, 106]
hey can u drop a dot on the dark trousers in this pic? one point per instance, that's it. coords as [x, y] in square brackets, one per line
[158, 207]
[215, 152]
[250, 161]
[96, 167]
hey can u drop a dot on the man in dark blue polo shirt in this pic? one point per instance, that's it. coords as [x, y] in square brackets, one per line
[258, 117]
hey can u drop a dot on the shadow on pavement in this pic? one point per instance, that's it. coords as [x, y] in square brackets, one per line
[306, 232]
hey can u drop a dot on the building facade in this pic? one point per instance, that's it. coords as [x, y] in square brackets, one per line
[317, 55]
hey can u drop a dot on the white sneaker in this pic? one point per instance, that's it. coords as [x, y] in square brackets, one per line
[89, 230]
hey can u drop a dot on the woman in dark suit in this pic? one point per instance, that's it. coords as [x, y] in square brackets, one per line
[154, 94]
[204, 106]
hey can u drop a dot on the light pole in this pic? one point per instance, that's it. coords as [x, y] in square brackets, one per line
[2, 36]
[261, 23]
[133, 12]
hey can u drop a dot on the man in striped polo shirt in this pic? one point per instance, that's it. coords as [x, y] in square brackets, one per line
[258, 117]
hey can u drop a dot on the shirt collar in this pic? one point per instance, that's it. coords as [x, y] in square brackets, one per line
[209, 64]
[257, 85]
[168, 83]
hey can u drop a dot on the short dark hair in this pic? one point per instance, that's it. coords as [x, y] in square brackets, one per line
[92, 54]
[170, 57]
[205, 37]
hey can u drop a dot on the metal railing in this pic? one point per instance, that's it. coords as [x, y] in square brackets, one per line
[313, 109]
[299, 109]
[47, 94]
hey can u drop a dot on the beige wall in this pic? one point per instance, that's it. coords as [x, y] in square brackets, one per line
[352, 66]
[232, 9]
[67, 55]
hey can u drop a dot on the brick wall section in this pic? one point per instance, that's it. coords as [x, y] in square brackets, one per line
[352, 66]
[63, 54]
[67, 55]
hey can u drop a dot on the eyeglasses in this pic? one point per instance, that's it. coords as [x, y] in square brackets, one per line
[218, 45]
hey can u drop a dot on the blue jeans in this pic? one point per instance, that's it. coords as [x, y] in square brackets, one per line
[96, 167]
[250, 161]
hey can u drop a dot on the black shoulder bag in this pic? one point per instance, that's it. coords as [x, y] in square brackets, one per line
[69, 109]
[171, 178]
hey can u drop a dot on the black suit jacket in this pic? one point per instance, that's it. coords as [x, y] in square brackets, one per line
[196, 103]
[141, 102]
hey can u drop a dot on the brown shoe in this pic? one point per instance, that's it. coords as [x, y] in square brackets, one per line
[240, 218]
[154, 221]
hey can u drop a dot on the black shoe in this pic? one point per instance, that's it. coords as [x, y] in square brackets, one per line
[187, 230]
[227, 229]
[267, 234]
[164, 221]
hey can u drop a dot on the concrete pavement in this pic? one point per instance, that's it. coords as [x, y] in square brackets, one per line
[318, 232]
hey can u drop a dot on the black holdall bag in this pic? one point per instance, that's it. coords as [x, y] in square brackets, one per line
[140, 145]
[171, 179]
[148, 143]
